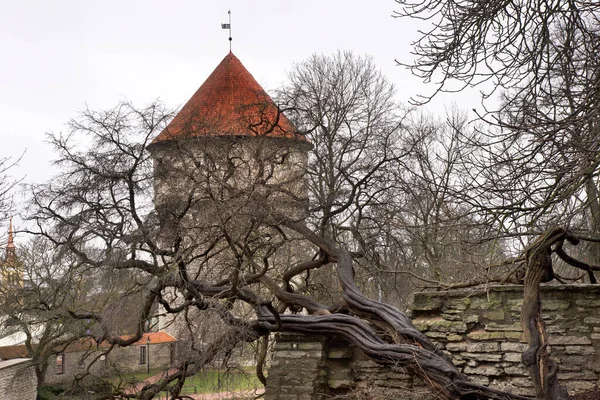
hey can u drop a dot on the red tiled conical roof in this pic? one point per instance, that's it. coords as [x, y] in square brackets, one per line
[229, 103]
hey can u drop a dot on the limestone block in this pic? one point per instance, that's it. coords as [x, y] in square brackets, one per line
[485, 304]
[579, 386]
[582, 329]
[300, 392]
[521, 382]
[482, 357]
[472, 363]
[310, 346]
[283, 346]
[514, 305]
[555, 329]
[480, 380]
[512, 357]
[580, 375]
[588, 303]
[366, 364]
[472, 319]
[298, 378]
[494, 315]
[448, 326]
[483, 370]
[555, 305]
[452, 311]
[458, 361]
[504, 364]
[451, 317]
[454, 338]
[340, 372]
[513, 346]
[459, 305]
[569, 340]
[485, 347]
[340, 353]
[495, 327]
[439, 324]
[581, 350]
[427, 302]
[435, 335]
[509, 387]
[483, 335]
[421, 324]
[439, 345]
[316, 354]
[456, 346]
[516, 371]
[592, 320]
[298, 354]
[573, 362]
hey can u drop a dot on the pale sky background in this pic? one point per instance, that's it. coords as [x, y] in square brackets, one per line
[61, 56]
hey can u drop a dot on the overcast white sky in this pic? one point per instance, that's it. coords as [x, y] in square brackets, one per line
[60, 55]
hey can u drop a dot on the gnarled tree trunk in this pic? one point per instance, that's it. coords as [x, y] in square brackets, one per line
[541, 367]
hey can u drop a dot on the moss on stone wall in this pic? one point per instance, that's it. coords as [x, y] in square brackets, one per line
[479, 329]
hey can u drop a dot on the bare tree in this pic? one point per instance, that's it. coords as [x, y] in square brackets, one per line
[35, 305]
[534, 164]
[384, 180]
[433, 237]
[347, 109]
[221, 245]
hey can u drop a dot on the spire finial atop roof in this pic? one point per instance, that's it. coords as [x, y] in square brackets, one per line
[228, 26]
[10, 244]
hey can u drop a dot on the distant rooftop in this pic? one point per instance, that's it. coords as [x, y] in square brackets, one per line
[87, 344]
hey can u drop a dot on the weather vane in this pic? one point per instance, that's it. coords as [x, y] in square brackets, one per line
[228, 26]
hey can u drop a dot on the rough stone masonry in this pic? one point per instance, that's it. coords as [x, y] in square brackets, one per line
[479, 329]
[17, 380]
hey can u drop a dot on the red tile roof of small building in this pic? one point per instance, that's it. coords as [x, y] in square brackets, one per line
[155, 338]
[14, 351]
[229, 103]
[86, 344]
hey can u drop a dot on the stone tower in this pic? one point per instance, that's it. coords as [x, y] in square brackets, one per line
[227, 147]
[228, 141]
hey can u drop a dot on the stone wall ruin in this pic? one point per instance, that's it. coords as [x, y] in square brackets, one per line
[479, 329]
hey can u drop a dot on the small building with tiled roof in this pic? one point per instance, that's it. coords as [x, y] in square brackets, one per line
[13, 351]
[153, 351]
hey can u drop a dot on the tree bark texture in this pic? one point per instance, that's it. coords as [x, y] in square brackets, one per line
[543, 370]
